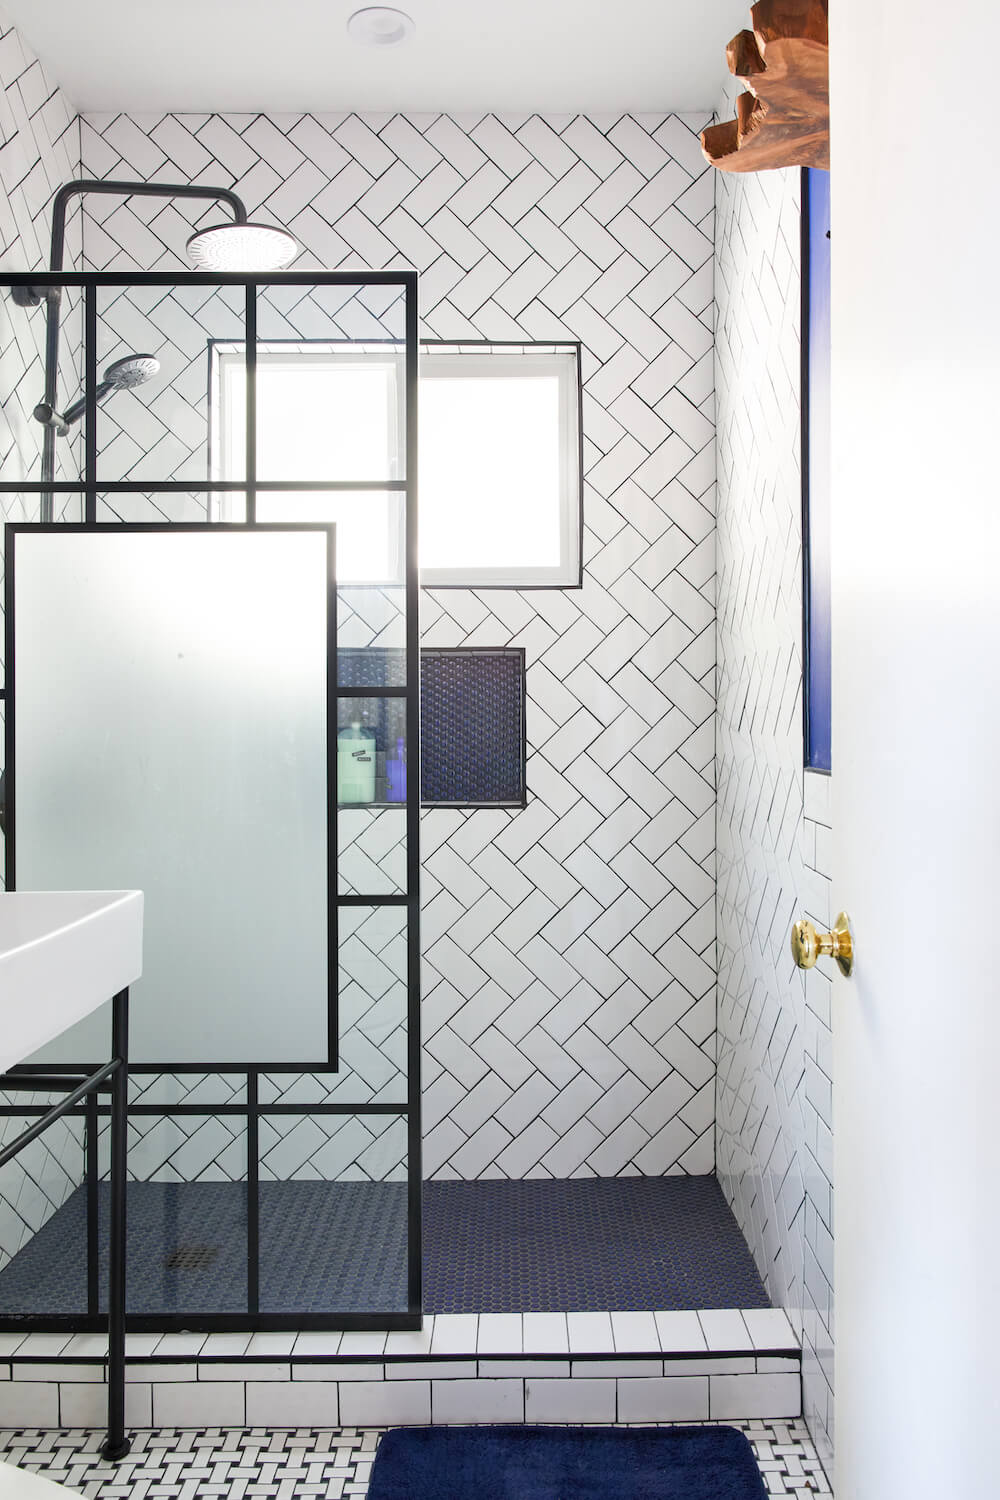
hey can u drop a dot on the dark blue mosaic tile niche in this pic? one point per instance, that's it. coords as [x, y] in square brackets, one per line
[472, 719]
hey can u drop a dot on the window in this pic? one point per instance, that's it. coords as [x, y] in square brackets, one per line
[816, 466]
[500, 455]
[500, 467]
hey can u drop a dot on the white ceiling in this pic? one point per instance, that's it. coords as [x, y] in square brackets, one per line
[273, 56]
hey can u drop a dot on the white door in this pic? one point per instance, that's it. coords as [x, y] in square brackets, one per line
[916, 746]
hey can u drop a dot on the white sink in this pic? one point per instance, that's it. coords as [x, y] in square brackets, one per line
[62, 954]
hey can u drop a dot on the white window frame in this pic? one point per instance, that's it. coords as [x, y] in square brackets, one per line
[495, 361]
[438, 360]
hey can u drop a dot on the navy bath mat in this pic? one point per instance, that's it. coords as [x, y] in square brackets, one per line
[565, 1463]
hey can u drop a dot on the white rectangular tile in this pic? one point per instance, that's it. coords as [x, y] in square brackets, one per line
[88, 1373]
[140, 1345]
[741, 1364]
[353, 1344]
[309, 1345]
[292, 1404]
[477, 1401]
[229, 1345]
[184, 1344]
[396, 1403]
[616, 1367]
[209, 1370]
[83, 1346]
[725, 1329]
[500, 1333]
[338, 1370]
[769, 1328]
[680, 1332]
[524, 1369]
[199, 1405]
[43, 1345]
[271, 1345]
[634, 1332]
[773, 1364]
[411, 1341]
[9, 1342]
[87, 1405]
[590, 1333]
[170, 1374]
[30, 1404]
[438, 1369]
[681, 1398]
[545, 1333]
[569, 1400]
[455, 1333]
[737, 1397]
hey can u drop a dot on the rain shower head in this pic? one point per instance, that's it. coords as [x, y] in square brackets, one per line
[241, 247]
[121, 375]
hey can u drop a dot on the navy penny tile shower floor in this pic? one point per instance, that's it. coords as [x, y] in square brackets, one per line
[588, 1244]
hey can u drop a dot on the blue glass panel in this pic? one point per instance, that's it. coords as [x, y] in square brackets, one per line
[817, 469]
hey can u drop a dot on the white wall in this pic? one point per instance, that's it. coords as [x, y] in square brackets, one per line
[569, 1000]
[774, 1070]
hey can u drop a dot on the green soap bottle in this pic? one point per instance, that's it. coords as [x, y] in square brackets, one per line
[356, 764]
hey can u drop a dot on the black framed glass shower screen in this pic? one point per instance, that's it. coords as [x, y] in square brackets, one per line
[170, 728]
[147, 456]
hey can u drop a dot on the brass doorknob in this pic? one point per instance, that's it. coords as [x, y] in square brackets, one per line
[808, 945]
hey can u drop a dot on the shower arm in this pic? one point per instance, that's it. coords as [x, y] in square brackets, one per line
[29, 297]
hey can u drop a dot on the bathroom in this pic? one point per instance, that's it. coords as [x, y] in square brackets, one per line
[621, 1105]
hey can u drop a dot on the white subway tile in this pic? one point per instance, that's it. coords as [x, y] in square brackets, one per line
[455, 1333]
[500, 1333]
[150, 1372]
[353, 1344]
[590, 1333]
[634, 1332]
[210, 1370]
[228, 1345]
[769, 1328]
[396, 1403]
[311, 1345]
[477, 1400]
[199, 1405]
[87, 1405]
[739, 1397]
[617, 1367]
[569, 1400]
[443, 1369]
[30, 1404]
[545, 1333]
[679, 1398]
[524, 1369]
[679, 1332]
[292, 1404]
[411, 1341]
[725, 1329]
[272, 1345]
[337, 1370]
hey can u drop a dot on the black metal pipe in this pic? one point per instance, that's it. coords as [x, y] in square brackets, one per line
[40, 1082]
[93, 1207]
[117, 1444]
[53, 294]
[57, 1111]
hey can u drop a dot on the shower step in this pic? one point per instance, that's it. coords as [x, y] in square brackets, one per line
[492, 1367]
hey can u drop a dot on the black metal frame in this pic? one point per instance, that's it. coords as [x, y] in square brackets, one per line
[91, 284]
[113, 1074]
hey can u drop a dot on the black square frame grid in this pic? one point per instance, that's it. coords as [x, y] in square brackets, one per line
[41, 496]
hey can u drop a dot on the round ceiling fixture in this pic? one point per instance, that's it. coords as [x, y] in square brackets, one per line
[380, 26]
[241, 247]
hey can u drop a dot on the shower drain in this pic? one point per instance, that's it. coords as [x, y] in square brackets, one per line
[191, 1257]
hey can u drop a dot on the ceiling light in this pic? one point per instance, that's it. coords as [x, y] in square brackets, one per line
[379, 26]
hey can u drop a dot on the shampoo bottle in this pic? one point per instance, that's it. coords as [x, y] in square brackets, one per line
[356, 764]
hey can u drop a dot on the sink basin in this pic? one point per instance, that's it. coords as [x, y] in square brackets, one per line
[62, 954]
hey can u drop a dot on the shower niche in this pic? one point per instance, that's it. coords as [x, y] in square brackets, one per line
[178, 654]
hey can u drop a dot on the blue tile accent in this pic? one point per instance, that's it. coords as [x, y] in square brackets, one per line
[589, 1244]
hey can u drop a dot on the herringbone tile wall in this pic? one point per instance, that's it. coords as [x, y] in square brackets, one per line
[569, 1002]
[773, 1097]
[40, 149]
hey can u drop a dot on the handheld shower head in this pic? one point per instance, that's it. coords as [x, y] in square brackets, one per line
[121, 375]
[134, 369]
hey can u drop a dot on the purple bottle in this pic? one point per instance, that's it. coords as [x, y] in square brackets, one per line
[395, 770]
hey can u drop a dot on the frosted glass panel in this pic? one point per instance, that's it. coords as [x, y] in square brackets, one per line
[171, 735]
